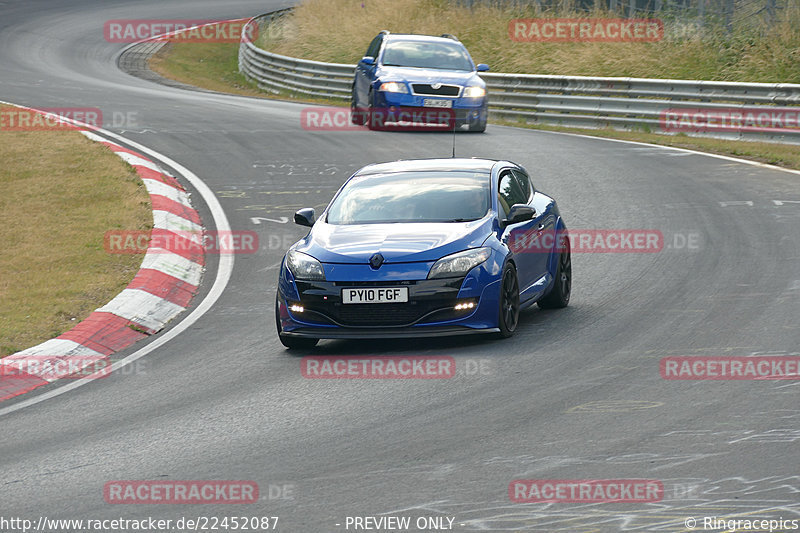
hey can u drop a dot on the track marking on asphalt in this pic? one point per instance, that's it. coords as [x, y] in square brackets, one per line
[266, 208]
[226, 261]
[280, 220]
[220, 282]
[232, 194]
[614, 406]
[245, 194]
[685, 150]
[737, 350]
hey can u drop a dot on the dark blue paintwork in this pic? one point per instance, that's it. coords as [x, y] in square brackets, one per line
[411, 249]
[371, 73]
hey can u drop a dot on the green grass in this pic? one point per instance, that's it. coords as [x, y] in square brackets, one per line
[61, 193]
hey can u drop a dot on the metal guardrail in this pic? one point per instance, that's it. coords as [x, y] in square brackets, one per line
[274, 72]
[577, 101]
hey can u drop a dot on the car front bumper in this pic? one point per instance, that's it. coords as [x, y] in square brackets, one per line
[470, 111]
[430, 311]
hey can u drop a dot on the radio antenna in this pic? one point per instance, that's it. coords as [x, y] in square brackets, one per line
[454, 135]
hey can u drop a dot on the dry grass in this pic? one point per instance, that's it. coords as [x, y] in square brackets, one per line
[340, 30]
[213, 66]
[61, 193]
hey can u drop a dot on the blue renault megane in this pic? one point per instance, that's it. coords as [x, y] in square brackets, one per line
[423, 248]
[419, 71]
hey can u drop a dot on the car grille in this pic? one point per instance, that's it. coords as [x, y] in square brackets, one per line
[433, 301]
[443, 90]
[379, 314]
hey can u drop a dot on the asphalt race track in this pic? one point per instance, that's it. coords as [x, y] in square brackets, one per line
[575, 394]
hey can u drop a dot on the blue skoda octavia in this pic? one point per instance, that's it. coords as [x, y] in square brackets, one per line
[419, 71]
[424, 248]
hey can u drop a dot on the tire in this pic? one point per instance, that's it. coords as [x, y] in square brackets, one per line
[480, 127]
[293, 343]
[371, 122]
[562, 285]
[357, 115]
[508, 312]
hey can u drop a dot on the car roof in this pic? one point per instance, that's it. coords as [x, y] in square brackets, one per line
[430, 165]
[421, 38]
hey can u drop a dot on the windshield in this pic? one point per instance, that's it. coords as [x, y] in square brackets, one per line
[447, 56]
[439, 196]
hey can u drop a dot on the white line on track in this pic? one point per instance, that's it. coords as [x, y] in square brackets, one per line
[664, 147]
[220, 282]
[226, 261]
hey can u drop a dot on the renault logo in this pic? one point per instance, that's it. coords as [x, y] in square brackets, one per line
[376, 261]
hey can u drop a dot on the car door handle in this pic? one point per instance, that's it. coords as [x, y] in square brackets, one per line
[540, 228]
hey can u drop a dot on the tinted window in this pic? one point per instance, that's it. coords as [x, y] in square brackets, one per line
[510, 191]
[444, 196]
[524, 183]
[447, 56]
[374, 47]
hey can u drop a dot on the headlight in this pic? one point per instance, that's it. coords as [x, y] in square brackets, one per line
[304, 267]
[457, 265]
[474, 92]
[393, 87]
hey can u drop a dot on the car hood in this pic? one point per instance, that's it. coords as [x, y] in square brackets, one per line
[423, 75]
[398, 243]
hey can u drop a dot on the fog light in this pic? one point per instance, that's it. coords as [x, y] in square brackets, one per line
[465, 305]
[296, 308]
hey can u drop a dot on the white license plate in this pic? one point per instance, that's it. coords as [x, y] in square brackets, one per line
[430, 102]
[375, 295]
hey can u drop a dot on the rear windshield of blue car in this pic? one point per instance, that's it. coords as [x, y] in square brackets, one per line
[417, 54]
[442, 196]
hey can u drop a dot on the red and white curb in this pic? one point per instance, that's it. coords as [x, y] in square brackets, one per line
[161, 290]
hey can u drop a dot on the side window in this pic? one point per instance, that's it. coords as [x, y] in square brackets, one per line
[510, 192]
[374, 47]
[524, 183]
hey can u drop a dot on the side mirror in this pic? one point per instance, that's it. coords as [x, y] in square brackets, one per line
[518, 213]
[482, 67]
[305, 217]
[367, 60]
